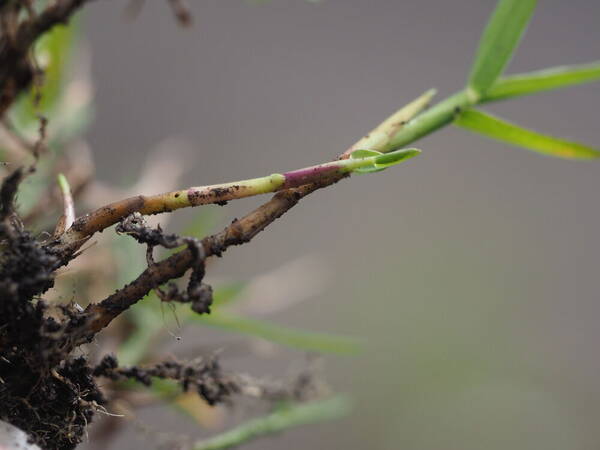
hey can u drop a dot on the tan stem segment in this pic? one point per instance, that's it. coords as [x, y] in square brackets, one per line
[108, 215]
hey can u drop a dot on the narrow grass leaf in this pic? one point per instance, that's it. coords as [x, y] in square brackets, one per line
[498, 42]
[542, 80]
[279, 420]
[148, 323]
[495, 128]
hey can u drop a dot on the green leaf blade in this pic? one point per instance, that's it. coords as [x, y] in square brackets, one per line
[496, 128]
[289, 337]
[228, 293]
[498, 42]
[543, 80]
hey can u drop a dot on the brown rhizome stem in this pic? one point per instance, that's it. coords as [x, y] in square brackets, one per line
[237, 233]
[85, 226]
[99, 315]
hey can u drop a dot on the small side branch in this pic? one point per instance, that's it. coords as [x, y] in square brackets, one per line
[198, 294]
[204, 376]
[68, 217]
[99, 315]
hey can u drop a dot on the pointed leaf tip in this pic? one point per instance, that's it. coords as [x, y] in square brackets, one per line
[389, 159]
[543, 80]
[381, 161]
[502, 130]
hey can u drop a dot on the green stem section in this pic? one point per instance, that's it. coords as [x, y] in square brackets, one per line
[380, 136]
[431, 120]
[218, 193]
[280, 420]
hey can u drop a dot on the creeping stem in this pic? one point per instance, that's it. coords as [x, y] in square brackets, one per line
[399, 130]
[110, 214]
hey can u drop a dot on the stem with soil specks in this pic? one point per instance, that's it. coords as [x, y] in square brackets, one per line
[108, 215]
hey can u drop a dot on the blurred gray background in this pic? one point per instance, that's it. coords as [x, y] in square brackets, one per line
[471, 272]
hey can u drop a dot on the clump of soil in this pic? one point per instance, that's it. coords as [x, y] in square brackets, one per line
[43, 390]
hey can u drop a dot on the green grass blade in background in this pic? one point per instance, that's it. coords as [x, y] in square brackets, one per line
[228, 293]
[498, 42]
[542, 80]
[149, 323]
[290, 337]
[279, 420]
[495, 128]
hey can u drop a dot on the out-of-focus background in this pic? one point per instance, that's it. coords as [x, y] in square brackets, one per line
[471, 272]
